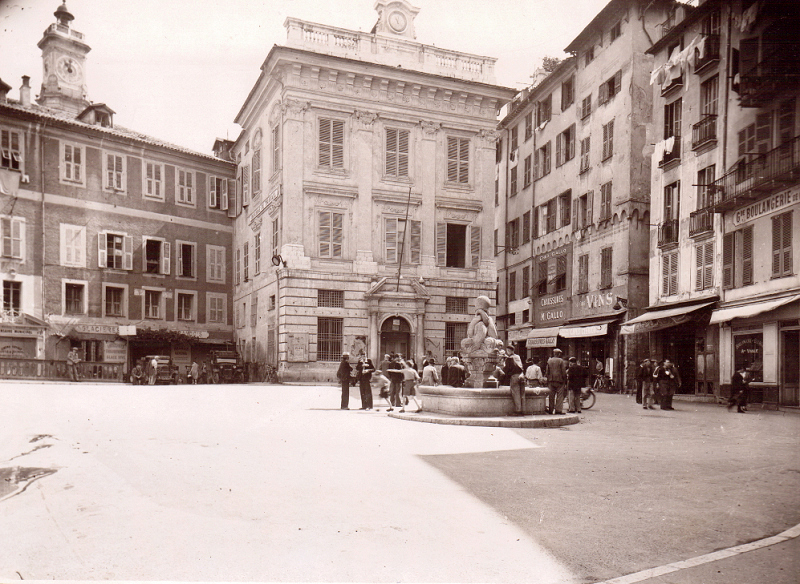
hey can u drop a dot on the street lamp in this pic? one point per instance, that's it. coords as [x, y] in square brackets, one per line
[510, 249]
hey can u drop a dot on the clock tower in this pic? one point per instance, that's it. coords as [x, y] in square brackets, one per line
[396, 18]
[64, 58]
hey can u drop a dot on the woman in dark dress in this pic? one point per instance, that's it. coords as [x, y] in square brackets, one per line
[364, 370]
[343, 374]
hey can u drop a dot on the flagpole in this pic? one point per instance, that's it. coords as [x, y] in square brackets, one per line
[403, 243]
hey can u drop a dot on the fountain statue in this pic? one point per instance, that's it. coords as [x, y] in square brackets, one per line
[480, 347]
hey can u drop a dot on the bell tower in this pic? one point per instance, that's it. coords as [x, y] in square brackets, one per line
[64, 59]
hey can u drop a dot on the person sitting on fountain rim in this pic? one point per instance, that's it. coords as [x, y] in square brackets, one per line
[513, 368]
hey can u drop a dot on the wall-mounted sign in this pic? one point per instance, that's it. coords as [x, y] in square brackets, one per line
[297, 349]
[597, 302]
[768, 206]
[100, 329]
[115, 351]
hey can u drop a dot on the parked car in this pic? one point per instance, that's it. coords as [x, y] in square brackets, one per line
[167, 373]
[226, 367]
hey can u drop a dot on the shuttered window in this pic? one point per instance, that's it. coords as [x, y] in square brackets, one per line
[114, 172]
[526, 281]
[728, 271]
[393, 236]
[583, 273]
[331, 143]
[747, 255]
[396, 152]
[10, 149]
[458, 160]
[526, 227]
[605, 201]
[331, 234]
[608, 140]
[585, 149]
[528, 168]
[606, 274]
[512, 286]
[704, 265]
[782, 245]
[669, 274]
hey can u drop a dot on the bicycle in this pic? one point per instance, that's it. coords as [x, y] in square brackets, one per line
[588, 398]
[270, 374]
[602, 382]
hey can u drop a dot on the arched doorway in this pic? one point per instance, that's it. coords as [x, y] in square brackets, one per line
[395, 336]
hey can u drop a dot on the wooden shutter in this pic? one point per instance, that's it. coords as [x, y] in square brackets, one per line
[441, 244]
[787, 243]
[727, 260]
[617, 81]
[699, 266]
[223, 194]
[337, 146]
[245, 185]
[391, 240]
[102, 253]
[559, 149]
[127, 252]
[179, 263]
[416, 241]
[708, 260]
[747, 255]
[165, 257]
[402, 152]
[475, 245]
[602, 94]
[782, 245]
[763, 131]
[324, 234]
[575, 205]
[589, 204]
[536, 222]
[665, 262]
[337, 234]
[212, 192]
[391, 151]
[748, 55]
[324, 142]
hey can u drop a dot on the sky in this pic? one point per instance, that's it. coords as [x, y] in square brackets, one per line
[180, 70]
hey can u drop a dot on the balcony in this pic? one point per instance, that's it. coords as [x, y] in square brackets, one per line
[771, 77]
[704, 131]
[701, 222]
[668, 233]
[674, 155]
[676, 83]
[710, 54]
[758, 178]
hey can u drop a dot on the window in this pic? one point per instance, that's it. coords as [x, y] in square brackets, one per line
[526, 227]
[238, 266]
[246, 261]
[513, 182]
[672, 130]
[498, 151]
[215, 308]
[496, 245]
[535, 223]
[331, 143]
[606, 279]
[541, 162]
[704, 265]
[514, 139]
[544, 110]
[331, 233]
[113, 301]
[561, 274]
[552, 217]
[528, 126]
[396, 152]
[72, 163]
[526, 281]
[512, 234]
[610, 88]
[329, 339]
[185, 187]
[330, 298]
[782, 245]
[257, 254]
[272, 302]
[152, 304]
[608, 140]
[565, 207]
[672, 201]
[616, 31]
[586, 107]
[585, 149]
[528, 170]
[605, 201]
[73, 298]
[457, 245]
[154, 180]
[276, 149]
[567, 93]
[512, 286]
[399, 241]
[256, 177]
[12, 297]
[115, 251]
[588, 56]
[705, 180]
[185, 306]
[13, 233]
[276, 236]
[583, 211]
[737, 258]
[10, 149]
[156, 256]
[187, 259]
[217, 193]
[669, 274]
[73, 245]
[497, 192]
[583, 273]
[541, 280]
[565, 146]
[709, 96]
[254, 310]
[114, 172]
[454, 333]
[458, 160]
[215, 264]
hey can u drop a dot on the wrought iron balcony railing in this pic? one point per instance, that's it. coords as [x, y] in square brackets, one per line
[704, 131]
[668, 232]
[759, 177]
[701, 221]
[674, 154]
[777, 72]
[710, 53]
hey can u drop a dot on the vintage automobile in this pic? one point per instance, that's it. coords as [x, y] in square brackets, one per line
[166, 373]
[226, 367]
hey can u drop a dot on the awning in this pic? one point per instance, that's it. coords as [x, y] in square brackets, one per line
[543, 337]
[598, 328]
[751, 309]
[660, 319]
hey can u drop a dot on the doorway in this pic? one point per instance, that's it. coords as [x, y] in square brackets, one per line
[790, 368]
[396, 336]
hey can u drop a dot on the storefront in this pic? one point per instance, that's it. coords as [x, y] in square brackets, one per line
[551, 303]
[21, 337]
[762, 335]
[540, 344]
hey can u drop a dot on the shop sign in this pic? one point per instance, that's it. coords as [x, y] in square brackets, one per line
[767, 206]
[195, 334]
[12, 351]
[20, 331]
[541, 342]
[115, 351]
[127, 330]
[518, 335]
[181, 355]
[748, 352]
[597, 302]
[97, 329]
[658, 324]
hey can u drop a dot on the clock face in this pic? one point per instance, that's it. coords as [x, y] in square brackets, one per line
[68, 69]
[397, 21]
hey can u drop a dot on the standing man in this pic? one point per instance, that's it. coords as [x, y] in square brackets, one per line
[364, 370]
[513, 369]
[194, 372]
[72, 363]
[739, 389]
[645, 376]
[576, 375]
[556, 374]
[152, 371]
[343, 375]
[396, 378]
[533, 374]
[668, 381]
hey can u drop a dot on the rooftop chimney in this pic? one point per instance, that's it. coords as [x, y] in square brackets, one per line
[25, 91]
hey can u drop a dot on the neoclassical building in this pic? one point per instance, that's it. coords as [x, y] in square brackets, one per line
[364, 196]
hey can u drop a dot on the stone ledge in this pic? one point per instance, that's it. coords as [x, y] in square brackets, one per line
[544, 421]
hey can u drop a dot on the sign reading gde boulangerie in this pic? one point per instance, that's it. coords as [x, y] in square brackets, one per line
[768, 206]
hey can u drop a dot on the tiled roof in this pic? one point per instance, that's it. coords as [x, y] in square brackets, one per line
[120, 131]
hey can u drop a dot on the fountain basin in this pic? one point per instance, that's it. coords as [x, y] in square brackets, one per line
[479, 401]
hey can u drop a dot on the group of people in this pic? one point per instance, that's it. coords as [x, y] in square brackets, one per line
[395, 380]
[657, 382]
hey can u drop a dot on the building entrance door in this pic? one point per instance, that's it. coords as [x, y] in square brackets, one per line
[396, 336]
[790, 374]
[680, 349]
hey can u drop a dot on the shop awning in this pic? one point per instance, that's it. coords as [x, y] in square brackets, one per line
[751, 309]
[660, 319]
[598, 328]
[543, 337]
